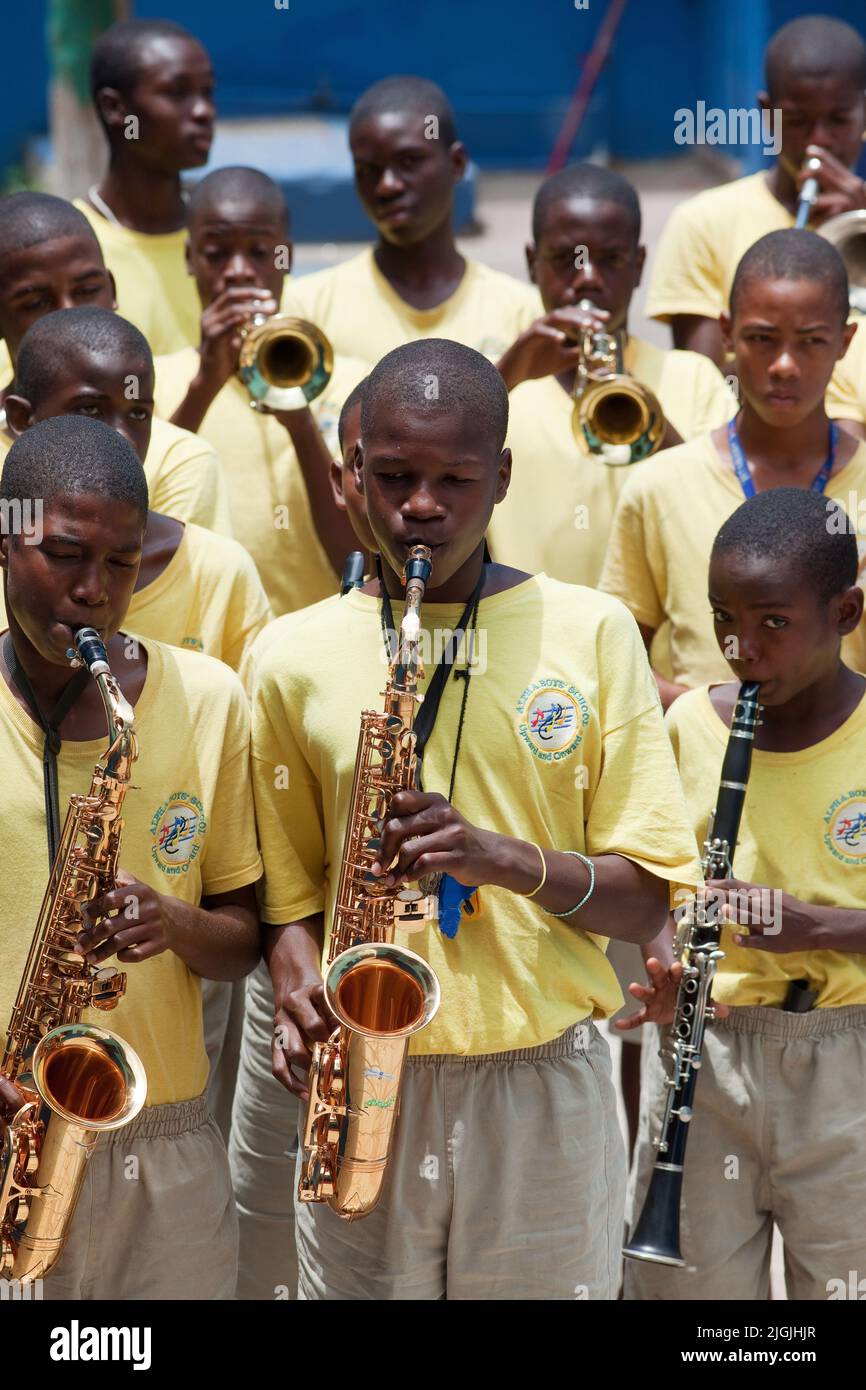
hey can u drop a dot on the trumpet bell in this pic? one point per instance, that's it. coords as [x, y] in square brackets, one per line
[620, 420]
[847, 233]
[284, 362]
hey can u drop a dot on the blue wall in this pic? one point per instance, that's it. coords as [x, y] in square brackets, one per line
[23, 95]
[509, 67]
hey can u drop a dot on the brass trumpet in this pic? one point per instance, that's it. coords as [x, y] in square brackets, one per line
[619, 419]
[847, 233]
[284, 362]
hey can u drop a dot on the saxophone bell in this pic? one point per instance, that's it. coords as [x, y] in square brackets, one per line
[380, 994]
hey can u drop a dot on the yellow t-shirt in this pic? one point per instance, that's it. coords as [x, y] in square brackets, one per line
[598, 777]
[276, 631]
[803, 831]
[662, 536]
[364, 317]
[184, 477]
[154, 289]
[703, 242]
[189, 831]
[558, 511]
[270, 509]
[846, 394]
[209, 598]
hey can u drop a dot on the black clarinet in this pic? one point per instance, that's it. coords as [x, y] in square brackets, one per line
[656, 1236]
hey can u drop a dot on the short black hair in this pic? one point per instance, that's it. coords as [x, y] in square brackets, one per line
[73, 456]
[464, 380]
[27, 219]
[795, 255]
[116, 57]
[815, 46]
[585, 181]
[48, 343]
[406, 93]
[245, 184]
[795, 527]
[355, 396]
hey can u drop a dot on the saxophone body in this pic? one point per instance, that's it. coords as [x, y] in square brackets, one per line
[656, 1235]
[379, 992]
[78, 1081]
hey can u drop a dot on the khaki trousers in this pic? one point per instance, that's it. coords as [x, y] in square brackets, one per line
[506, 1182]
[263, 1148]
[223, 1016]
[778, 1134]
[155, 1218]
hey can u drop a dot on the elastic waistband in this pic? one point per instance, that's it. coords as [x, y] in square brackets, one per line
[782, 1026]
[164, 1121]
[575, 1039]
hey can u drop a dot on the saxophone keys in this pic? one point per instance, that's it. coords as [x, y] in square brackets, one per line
[413, 911]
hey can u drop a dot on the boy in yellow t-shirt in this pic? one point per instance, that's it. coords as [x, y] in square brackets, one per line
[49, 260]
[184, 905]
[786, 328]
[815, 77]
[194, 589]
[780, 1085]
[152, 86]
[556, 518]
[276, 463]
[414, 283]
[564, 809]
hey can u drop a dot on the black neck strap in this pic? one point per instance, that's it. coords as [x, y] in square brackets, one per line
[423, 726]
[50, 727]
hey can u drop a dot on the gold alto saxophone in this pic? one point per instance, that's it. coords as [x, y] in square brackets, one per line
[77, 1081]
[379, 992]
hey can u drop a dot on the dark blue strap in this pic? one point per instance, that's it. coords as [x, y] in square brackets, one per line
[743, 472]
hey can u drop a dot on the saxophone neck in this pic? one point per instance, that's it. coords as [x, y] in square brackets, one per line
[406, 668]
[123, 745]
[122, 749]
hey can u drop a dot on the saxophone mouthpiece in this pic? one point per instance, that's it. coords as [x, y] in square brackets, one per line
[89, 650]
[419, 563]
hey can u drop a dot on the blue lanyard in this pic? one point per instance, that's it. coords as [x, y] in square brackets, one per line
[743, 472]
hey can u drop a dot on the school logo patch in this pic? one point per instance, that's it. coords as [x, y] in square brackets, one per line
[551, 717]
[177, 829]
[845, 836]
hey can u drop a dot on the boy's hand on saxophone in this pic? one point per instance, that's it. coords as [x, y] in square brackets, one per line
[11, 1099]
[427, 835]
[132, 921]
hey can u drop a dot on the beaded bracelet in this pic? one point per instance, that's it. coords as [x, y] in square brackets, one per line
[589, 892]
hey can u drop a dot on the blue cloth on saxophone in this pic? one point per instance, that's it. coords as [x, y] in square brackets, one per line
[453, 902]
